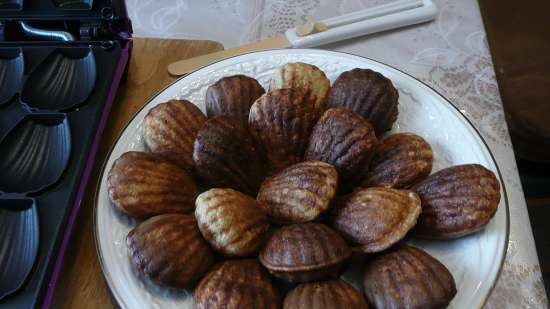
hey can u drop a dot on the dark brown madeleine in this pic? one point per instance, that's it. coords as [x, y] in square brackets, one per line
[305, 76]
[232, 222]
[237, 284]
[169, 130]
[232, 96]
[401, 160]
[376, 218]
[170, 250]
[457, 201]
[142, 185]
[332, 294]
[281, 121]
[305, 252]
[368, 93]
[299, 193]
[408, 278]
[344, 139]
[226, 156]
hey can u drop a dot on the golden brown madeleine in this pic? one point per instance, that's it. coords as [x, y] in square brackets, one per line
[370, 94]
[281, 122]
[305, 76]
[142, 185]
[401, 160]
[408, 277]
[299, 193]
[169, 130]
[457, 201]
[305, 252]
[332, 294]
[233, 96]
[376, 218]
[237, 284]
[170, 250]
[232, 222]
[344, 139]
[225, 156]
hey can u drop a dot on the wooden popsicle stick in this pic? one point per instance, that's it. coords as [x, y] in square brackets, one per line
[189, 65]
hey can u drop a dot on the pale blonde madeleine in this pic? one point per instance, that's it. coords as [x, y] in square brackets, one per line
[280, 121]
[142, 185]
[170, 128]
[299, 193]
[232, 222]
[376, 218]
[305, 76]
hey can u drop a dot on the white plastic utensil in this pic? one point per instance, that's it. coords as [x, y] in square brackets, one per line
[385, 17]
[377, 19]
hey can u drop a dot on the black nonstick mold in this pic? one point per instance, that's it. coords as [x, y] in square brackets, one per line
[63, 80]
[19, 234]
[61, 62]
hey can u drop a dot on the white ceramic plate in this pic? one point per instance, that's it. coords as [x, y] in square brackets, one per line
[474, 261]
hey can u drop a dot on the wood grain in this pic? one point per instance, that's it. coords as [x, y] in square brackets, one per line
[81, 284]
[517, 32]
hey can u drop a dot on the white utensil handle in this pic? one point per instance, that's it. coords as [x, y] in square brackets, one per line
[366, 22]
[381, 10]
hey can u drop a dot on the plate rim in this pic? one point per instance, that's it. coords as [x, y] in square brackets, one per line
[108, 278]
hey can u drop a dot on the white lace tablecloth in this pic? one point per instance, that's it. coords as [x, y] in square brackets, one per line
[450, 54]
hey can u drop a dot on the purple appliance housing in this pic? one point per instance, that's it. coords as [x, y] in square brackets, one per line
[61, 62]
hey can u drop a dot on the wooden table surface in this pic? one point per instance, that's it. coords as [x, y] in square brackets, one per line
[81, 284]
[517, 32]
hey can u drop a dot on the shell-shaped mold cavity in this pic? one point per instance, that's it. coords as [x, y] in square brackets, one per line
[344, 139]
[233, 96]
[35, 154]
[457, 201]
[232, 222]
[331, 294]
[63, 80]
[376, 218]
[170, 250]
[401, 160]
[143, 185]
[226, 156]
[170, 128]
[281, 121]
[305, 76]
[11, 72]
[237, 284]
[299, 193]
[305, 252]
[408, 277]
[11, 115]
[370, 94]
[19, 238]
[74, 4]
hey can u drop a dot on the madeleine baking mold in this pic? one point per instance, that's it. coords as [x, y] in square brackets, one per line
[54, 100]
[19, 238]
